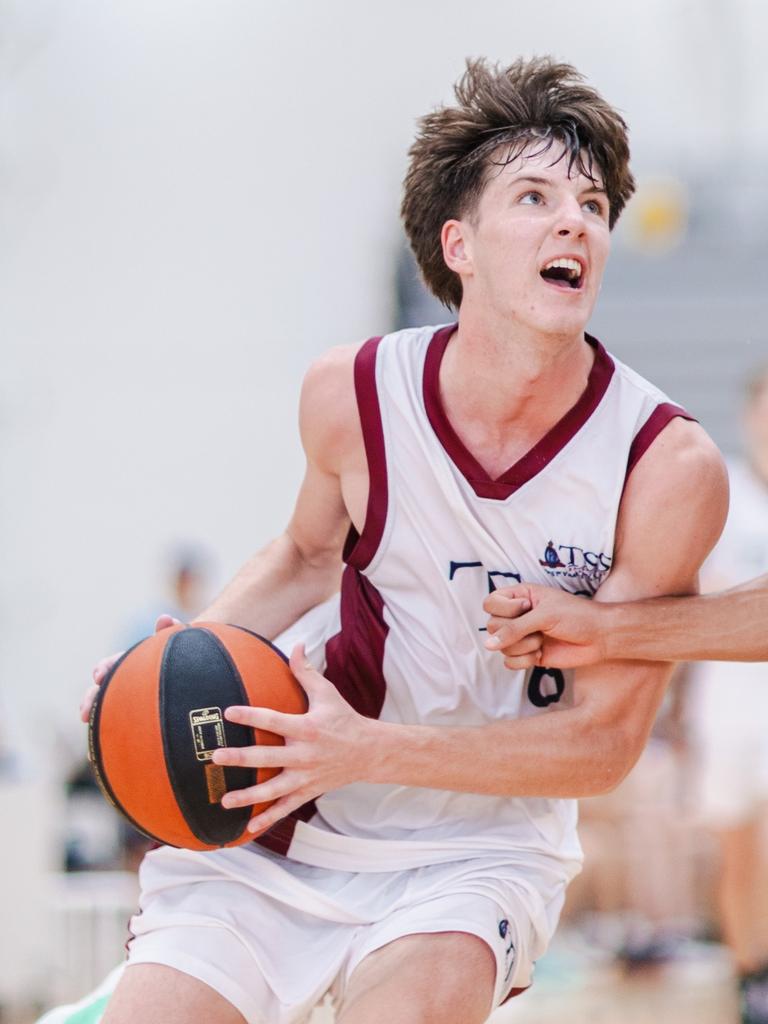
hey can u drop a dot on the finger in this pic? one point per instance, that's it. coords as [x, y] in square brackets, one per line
[290, 726]
[264, 821]
[310, 679]
[513, 646]
[262, 793]
[500, 603]
[165, 622]
[496, 622]
[517, 590]
[259, 756]
[523, 661]
[87, 703]
[103, 666]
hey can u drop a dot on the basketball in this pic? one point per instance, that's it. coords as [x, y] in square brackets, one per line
[158, 717]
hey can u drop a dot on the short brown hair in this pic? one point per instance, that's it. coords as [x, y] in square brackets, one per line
[529, 102]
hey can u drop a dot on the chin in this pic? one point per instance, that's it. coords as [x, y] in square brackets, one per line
[561, 325]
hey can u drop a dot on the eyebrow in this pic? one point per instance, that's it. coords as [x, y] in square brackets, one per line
[548, 181]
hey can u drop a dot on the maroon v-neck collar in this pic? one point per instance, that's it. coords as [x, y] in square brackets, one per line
[542, 452]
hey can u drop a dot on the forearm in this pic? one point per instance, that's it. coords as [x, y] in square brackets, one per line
[275, 587]
[565, 754]
[729, 626]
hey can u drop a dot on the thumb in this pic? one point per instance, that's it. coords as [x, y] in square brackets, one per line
[306, 673]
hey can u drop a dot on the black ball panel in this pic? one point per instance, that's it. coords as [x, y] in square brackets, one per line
[198, 681]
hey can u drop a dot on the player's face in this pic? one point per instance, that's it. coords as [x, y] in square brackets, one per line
[531, 216]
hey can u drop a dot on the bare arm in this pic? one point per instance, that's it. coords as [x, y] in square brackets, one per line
[563, 631]
[727, 626]
[582, 750]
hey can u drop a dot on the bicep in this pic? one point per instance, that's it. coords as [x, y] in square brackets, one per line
[672, 513]
[319, 523]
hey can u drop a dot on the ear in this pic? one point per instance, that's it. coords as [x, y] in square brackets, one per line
[457, 249]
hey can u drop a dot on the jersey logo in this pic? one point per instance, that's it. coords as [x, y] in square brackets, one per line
[575, 563]
[509, 947]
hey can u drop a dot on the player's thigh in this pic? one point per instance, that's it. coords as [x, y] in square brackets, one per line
[445, 977]
[156, 994]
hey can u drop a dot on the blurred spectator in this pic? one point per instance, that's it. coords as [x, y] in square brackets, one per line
[186, 592]
[729, 712]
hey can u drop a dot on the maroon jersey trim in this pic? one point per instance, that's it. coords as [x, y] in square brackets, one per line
[662, 415]
[542, 453]
[514, 992]
[354, 664]
[354, 657]
[359, 549]
[279, 837]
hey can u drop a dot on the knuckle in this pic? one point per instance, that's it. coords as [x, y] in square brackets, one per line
[308, 730]
[299, 760]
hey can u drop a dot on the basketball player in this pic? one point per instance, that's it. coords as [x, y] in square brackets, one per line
[416, 858]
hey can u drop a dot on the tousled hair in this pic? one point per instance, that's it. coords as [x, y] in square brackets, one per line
[529, 106]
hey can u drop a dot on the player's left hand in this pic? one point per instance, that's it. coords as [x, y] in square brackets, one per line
[327, 747]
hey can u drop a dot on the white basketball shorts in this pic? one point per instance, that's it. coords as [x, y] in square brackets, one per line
[273, 936]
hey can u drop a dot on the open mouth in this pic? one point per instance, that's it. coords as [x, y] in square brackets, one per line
[564, 273]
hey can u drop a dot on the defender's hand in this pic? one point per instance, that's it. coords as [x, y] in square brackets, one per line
[327, 747]
[101, 668]
[558, 630]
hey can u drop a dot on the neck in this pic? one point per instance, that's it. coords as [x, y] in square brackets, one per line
[501, 374]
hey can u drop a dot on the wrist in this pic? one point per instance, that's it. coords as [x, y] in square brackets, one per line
[376, 749]
[614, 631]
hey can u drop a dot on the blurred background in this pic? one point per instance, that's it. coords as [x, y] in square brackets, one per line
[196, 199]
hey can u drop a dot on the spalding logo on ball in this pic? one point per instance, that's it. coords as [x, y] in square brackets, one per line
[158, 717]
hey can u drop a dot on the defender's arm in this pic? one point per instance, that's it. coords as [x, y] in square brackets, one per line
[564, 631]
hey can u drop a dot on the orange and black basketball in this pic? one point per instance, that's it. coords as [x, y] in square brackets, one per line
[159, 716]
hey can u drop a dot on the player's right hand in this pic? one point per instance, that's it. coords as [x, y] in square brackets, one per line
[102, 667]
[559, 630]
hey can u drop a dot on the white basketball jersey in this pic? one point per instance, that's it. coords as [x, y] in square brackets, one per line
[439, 535]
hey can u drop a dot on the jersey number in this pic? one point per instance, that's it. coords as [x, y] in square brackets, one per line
[545, 686]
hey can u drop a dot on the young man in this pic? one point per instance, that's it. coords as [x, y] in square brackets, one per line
[423, 833]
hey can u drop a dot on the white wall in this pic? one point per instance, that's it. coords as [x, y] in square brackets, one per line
[198, 197]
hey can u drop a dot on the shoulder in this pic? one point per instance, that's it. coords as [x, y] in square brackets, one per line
[673, 509]
[330, 376]
[681, 460]
[328, 416]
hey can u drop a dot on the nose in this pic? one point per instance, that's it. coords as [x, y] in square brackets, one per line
[570, 222]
